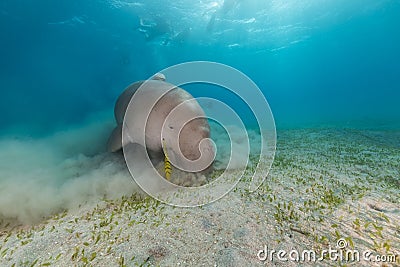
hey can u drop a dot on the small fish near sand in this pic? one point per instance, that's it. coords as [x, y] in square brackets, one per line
[167, 163]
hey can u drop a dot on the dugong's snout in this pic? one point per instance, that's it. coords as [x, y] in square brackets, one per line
[198, 158]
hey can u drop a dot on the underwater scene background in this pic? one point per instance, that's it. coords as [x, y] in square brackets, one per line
[330, 70]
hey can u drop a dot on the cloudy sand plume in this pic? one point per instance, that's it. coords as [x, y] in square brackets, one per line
[42, 176]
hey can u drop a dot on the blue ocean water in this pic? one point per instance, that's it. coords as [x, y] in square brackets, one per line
[331, 62]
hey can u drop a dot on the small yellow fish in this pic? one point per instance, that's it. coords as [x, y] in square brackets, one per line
[167, 163]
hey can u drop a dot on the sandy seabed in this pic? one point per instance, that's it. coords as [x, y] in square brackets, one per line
[325, 185]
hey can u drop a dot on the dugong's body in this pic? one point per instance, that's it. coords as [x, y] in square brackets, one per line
[175, 123]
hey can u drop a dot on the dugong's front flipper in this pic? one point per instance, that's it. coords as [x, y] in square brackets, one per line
[115, 141]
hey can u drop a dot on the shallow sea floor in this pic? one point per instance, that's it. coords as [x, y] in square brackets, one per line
[325, 185]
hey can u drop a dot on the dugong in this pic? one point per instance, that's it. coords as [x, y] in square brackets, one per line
[175, 125]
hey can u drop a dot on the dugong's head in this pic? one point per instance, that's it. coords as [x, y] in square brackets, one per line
[186, 137]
